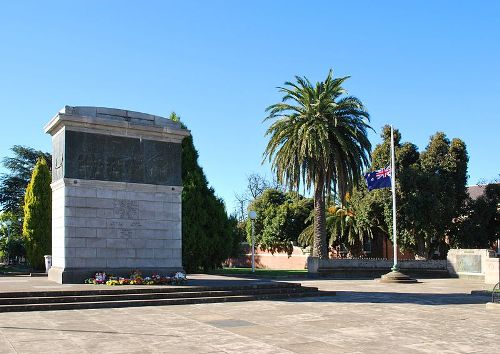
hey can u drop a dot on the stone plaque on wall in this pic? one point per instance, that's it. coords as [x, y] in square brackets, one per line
[468, 263]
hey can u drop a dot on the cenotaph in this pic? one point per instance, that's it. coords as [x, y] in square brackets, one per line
[116, 193]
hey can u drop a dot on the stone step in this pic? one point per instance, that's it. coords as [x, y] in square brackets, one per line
[145, 289]
[160, 302]
[151, 295]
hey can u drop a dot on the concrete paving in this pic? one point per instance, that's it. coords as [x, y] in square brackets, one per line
[434, 316]
[42, 284]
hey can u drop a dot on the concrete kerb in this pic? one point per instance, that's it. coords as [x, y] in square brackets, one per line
[493, 306]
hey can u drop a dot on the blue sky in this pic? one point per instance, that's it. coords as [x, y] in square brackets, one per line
[424, 66]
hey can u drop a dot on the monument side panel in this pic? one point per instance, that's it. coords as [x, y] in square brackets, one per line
[58, 155]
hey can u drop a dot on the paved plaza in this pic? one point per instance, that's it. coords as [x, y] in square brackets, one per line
[434, 316]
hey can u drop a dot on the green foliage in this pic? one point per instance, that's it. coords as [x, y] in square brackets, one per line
[209, 237]
[13, 184]
[11, 243]
[319, 139]
[479, 224]
[37, 226]
[430, 191]
[281, 217]
[15, 224]
[344, 226]
[13, 247]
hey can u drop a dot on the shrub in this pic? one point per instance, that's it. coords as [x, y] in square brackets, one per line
[209, 236]
[37, 215]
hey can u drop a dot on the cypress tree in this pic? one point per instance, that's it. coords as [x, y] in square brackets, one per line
[37, 226]
[13, 183]
[209, 236]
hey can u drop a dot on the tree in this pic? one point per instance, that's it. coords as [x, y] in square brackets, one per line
[209, 237]
[344, 226]
[320, 140]
[443, 187]
[16, 226]
[37, 226]
[11, 242]
[430, 191]
[13, 184]
[479, 224]
[256, 185]
[281, 218]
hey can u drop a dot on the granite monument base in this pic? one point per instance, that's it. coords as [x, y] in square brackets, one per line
[78, 275]
[114, 227]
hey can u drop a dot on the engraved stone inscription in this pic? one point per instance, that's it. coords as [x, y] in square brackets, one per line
[121, 159]
[136, 224]
[127, 209]
[125, 233]
[469, 263]
[115, 224]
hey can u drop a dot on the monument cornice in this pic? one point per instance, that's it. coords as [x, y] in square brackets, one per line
[110, 121]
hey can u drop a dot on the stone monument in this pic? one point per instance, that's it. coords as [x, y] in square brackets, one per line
[116, 193]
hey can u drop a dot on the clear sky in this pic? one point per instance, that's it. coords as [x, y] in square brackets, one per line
[424, 66]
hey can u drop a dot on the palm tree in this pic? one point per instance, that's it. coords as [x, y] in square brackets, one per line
[318, 139]
[342, 226]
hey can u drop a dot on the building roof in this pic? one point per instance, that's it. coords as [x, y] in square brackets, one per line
[477, 190]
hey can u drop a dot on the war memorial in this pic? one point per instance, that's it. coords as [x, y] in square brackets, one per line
[116, 191]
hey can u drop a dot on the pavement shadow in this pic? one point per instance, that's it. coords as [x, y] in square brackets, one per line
[402, 298]
[229, 282]
[98, 331]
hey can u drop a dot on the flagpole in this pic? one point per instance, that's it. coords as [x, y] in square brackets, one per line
[393, 187]
[395, 276]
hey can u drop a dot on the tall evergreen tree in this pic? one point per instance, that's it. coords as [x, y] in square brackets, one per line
[479, 224]
[430, 191]
[37, 226]
[13, 183]
[318, 138]
[209, 237]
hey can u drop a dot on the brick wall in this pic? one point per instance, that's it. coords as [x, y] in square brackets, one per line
[267, 260]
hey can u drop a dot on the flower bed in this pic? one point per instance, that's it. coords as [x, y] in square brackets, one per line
[136, 278]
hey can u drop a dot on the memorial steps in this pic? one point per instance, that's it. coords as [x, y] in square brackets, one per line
[134, 297]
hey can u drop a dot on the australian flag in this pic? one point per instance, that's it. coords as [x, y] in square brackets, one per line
[379, 178]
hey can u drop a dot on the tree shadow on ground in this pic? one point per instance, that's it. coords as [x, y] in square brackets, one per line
[400, 298]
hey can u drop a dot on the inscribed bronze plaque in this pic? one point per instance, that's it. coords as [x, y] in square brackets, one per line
[121, 159]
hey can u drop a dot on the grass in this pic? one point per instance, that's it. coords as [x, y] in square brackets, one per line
[17, 268]
[260, 272]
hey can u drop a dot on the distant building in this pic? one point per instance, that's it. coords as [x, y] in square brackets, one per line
[476, 191]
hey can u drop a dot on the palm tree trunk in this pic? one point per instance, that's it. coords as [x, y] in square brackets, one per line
[320, 249]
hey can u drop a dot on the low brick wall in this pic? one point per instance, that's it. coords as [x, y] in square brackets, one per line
[268, 260]
[338, 266]
[370, 268]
